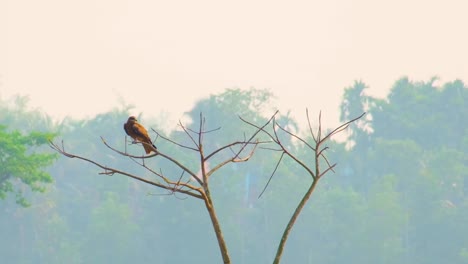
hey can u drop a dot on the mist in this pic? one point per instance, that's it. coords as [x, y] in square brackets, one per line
[71, 73]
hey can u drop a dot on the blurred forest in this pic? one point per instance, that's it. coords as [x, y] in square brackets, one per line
[399, 193]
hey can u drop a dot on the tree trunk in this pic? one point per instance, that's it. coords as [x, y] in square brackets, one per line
[298, 210]
[217, 229]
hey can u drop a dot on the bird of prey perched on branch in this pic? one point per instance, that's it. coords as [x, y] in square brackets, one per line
[139, 133]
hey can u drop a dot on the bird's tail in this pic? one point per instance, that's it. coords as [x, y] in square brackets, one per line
[149, 148]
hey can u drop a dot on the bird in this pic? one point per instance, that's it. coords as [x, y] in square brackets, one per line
[139, 133]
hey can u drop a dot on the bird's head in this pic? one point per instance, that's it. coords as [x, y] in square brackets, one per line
[132, 118]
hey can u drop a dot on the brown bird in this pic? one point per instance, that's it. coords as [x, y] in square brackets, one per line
[139, 133]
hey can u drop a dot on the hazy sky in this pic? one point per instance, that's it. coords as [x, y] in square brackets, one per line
[79, 57]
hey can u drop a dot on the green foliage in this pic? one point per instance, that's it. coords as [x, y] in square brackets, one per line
[399, 193]
[223, 111]
[23, 163]
[108, 215]
[232, 103]
[417, 137]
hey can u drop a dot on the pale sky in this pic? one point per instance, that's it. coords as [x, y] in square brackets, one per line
[78, 58]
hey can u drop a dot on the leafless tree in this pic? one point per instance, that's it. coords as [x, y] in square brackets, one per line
[313, 169]
[188, 182]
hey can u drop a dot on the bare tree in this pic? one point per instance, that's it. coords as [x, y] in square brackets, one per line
[314, 168]
[188, 182]
[197, 186]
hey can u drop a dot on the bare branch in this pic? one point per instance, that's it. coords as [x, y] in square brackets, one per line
[200, 134]
[111, 171]
[319, 132]
[182, 167]
[272, 149]
[343, 126]
[271, 176]
[295, 136]
[262, 128]
[169, 193]
[153, 155]
[310, 126]
[205, 132]
[318, 152]
[178, 183]
[233, 159]
[276, 139]
[237, 159]
[231, 145]
[330, 168]
[303, 165]
[328, 163]
[126, 154]
[188, 134]
[202, 155]
[180, 198]
[173, 142]
[292, 156]
[321, 151]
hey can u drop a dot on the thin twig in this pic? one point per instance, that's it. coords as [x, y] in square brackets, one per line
[328, 163]
[319, 131]
[272, 149]
[327, 170]
[343, 126]
[175, 143]
[205, 132]
[262, 128]
[126, 154]
[111, 171]
[233, 159]
[153, 155]
[231, 145]
[310, 126]
[271, 176]
[188, 134]
[295, 136]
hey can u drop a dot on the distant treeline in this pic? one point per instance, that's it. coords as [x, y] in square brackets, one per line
[398, 195]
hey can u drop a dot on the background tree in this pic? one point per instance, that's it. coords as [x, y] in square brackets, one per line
[23, 159]
[415, 188]
[418, 139]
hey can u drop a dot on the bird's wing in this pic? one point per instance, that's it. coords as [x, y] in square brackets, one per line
[141, 133]
[125, 128]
